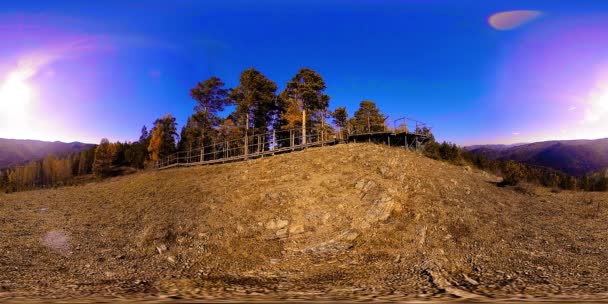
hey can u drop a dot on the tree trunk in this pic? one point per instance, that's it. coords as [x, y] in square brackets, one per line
[247, 135]
[303, 126]
[322, 127]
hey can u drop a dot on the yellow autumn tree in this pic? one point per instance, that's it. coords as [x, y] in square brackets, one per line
[156, 140]
[104, 155]
[292, 116]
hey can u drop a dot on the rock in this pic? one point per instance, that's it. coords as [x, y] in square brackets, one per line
[365, 185]
[282, 224]
[171, 259]
[282, 233]
[161, 248]
[467, 169]
[360, 184]
[469, 280]
[272, 224]
[351, 235]
[277, 224]
[381, 210]
[296, 229]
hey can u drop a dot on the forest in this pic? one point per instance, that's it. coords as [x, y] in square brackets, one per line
[259, 107]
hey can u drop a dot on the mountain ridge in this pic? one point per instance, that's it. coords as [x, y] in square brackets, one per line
[576, 157]
[15, 152]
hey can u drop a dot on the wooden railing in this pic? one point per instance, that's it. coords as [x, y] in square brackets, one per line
[282, 141]
[249, 147]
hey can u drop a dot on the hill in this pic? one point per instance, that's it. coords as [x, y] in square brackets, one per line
[575, 157]
[347, 221]
[17, 151]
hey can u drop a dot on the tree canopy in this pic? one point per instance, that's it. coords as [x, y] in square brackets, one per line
[255, 98]
[368, 118]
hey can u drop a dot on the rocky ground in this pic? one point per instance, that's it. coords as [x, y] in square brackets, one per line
[348, 222]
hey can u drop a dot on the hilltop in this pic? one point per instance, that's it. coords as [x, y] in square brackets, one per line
[356, 220]
[19, 151]
[574, 157]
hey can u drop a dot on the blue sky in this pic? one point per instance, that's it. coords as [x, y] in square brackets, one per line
[105, 68]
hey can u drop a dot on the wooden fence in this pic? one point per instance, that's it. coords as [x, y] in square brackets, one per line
[283, 141]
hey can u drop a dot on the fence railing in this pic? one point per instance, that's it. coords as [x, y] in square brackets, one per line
[250, 146]
[399, 125]
[278, 141]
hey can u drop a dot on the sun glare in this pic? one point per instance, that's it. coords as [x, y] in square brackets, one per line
[597, 108]
[15, 96]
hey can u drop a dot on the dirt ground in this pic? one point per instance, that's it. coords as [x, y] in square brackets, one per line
[347, 222]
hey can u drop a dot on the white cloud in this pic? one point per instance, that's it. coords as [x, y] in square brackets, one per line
[509, 20]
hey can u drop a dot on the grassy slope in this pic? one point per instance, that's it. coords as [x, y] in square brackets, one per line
[373, 217]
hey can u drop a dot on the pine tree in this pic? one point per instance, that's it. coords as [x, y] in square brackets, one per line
[306, 89]
[211, 97]
[340, 116]
[368, 119]
[255, 98]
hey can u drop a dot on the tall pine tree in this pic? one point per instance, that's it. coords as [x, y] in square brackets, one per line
[306, 89]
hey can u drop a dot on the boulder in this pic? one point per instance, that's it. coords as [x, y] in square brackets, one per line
[296, 229]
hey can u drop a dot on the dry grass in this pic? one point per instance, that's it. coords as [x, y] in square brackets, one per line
[373, 217]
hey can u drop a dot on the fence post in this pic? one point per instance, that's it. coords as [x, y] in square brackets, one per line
[246, 152]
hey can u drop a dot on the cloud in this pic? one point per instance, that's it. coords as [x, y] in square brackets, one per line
[571, 109]
[508, 20]
[515, 133]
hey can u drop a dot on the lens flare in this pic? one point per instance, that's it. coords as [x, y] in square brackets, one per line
[509, 20]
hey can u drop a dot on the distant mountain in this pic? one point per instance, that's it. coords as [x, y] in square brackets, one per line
[494, 147]
[16, 151]
[575, 157]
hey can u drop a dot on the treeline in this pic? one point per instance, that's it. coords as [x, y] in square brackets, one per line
[51, 171]
[54, 171]
[259, 107]
[514, 172]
